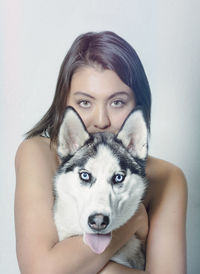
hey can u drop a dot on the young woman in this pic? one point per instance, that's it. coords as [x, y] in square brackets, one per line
[103, 79]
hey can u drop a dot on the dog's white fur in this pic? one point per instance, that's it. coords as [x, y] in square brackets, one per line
[76, 201]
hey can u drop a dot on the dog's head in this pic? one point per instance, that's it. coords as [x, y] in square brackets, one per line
[103, 172]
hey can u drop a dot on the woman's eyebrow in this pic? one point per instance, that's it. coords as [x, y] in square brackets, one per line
[83, 94]
[118, 93]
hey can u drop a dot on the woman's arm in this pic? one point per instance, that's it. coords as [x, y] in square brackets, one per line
[166, 246]
[38, 249]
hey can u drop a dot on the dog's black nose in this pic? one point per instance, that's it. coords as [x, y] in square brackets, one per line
[98, 221]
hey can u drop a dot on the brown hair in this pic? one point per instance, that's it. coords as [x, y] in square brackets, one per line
[109, 51]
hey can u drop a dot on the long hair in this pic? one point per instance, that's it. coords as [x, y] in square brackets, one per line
[109, 51]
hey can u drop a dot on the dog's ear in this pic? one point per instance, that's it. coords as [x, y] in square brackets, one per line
[134, 134]
[72, 134]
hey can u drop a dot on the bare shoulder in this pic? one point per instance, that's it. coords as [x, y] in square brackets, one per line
[35, 165]
[161, 168]
[36, 149]
[166, 180]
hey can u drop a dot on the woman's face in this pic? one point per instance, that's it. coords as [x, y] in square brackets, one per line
[100, 97]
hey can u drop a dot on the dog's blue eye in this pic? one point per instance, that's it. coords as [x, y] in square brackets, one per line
[118, 178]
[85, 176]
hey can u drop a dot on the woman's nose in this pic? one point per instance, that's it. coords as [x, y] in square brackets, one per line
[101, 118]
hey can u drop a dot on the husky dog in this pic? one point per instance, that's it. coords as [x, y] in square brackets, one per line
[100, 183]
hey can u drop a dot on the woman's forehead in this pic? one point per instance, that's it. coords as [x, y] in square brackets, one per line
[91, 80]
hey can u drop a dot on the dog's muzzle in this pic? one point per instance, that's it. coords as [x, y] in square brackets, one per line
[98, 222]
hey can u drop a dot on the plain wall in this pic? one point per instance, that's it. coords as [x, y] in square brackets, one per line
[35, 36]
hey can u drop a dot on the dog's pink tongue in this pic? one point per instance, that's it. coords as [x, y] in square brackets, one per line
[97, 242]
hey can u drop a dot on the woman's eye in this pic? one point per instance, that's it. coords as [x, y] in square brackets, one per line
[84, 104]
[118, 103]
[85, 176]
[118, 178]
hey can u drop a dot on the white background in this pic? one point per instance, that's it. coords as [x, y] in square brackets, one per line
[35, 36]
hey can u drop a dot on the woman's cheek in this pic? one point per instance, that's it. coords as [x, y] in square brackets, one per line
[117, 121]
[86, 120]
